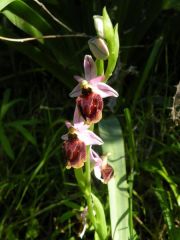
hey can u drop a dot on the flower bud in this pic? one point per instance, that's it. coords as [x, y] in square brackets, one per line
[99, 48]
[98, 24]
[90, 106]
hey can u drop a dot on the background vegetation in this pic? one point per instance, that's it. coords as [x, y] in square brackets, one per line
[39, 198]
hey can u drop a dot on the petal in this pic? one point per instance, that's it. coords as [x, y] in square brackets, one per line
[97, 172]
[98, 164]
[89, 67]
[95, 157]
[77, 116]
[68, 124]
[64, 137]
[78, 78]
[105, 90]
[89, 138]
[81, 127]
[93, 154]
[96, 80]
[76, 91]
[92, 157]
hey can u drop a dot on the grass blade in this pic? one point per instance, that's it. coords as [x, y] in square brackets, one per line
[133, 164]
[29, 15]
[5, 143]
[23, 25]
[5, 3]
[167, 214]
[148, 67]
[6, 106]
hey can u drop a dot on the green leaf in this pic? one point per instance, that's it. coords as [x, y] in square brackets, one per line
[161, 170]
[161, 194]
[112, 38]
[5, 143]
[72, 205]
[23, 25]
[7, 106]
[111, 133]
[48, 150]
[132, 156]
[113, 53]
[30, 21]
[5, 3]
[66, 216]
[108, 27]
[148, 68]
[100, 217]
[25, 12]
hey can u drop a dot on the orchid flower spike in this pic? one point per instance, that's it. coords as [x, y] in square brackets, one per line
[90, 92]
[102, 170]
[76, 140]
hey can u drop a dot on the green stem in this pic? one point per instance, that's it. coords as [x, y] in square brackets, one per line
[100, 67]
[88, 185]
[88, 188]
[84, 182]
[80, 178]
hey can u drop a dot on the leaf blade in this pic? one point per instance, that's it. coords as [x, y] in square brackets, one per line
[111, 133]
[5, 143]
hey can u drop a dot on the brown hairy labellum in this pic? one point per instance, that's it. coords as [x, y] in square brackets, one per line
[75, 152]
[90, 106]
[107, 172]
